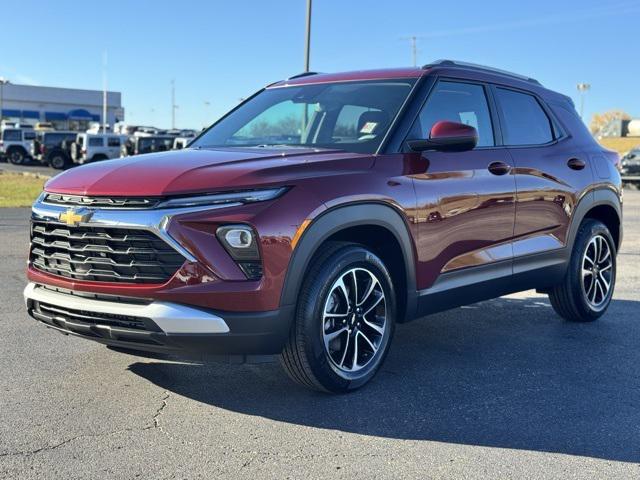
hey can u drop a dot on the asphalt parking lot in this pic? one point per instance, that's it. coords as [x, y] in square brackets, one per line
[500, 389]
[32, 166]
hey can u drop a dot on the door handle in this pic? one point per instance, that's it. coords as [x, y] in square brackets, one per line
[576, 164]
[499, 168]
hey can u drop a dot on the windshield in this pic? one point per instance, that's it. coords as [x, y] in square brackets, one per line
[351, 116]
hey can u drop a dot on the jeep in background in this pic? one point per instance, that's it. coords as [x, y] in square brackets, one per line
[16, 144]
[324, 210]
[90, 147]
[54, 148]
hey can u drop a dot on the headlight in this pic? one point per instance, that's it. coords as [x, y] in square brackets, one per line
[235, 198]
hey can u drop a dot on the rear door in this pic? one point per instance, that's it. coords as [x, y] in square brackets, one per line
[551, 173]
[466, 200]
[113, 146]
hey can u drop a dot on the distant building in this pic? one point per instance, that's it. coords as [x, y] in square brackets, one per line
[620, 128]
[66, 108]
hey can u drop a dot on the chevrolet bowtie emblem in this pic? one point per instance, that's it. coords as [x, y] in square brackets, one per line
[74, 217]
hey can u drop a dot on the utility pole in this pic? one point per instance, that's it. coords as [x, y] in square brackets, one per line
[583, 88]
[173, 104]
[307, 47]
[206, 121]
[414, 48]
[104, 92]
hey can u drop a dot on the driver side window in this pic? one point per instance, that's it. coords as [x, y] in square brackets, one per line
[456, 102]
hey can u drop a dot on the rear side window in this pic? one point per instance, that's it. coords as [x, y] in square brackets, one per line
[12, 136]
[114, 141]
[525, 122]
[456, 102]
[96, 142]
[29, 135]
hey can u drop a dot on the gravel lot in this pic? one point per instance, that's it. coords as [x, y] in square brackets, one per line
[501, 389]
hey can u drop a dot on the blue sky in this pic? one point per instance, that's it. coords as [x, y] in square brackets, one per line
[220, 51]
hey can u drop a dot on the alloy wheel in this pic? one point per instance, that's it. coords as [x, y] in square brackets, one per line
[354, 320]
[597, 272]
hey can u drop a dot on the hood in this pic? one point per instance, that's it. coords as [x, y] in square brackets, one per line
[200, 171]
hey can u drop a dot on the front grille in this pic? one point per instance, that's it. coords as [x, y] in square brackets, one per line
[102, 202]
[102, 254]
[107, 326]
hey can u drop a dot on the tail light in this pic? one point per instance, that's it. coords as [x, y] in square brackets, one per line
[43, 149]
[84, 151]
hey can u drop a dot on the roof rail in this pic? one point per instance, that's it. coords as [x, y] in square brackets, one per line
[482, 68]
[303, 74]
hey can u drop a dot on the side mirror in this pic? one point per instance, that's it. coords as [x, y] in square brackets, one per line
[447, 136]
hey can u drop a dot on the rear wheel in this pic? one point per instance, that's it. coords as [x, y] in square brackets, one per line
[344, 321]
[585, 292]
[58, 160]
[17, 156]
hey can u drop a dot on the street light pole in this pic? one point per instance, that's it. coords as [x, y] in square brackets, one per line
[307, 47]
[583, 88]
[3, 81]
[104, 93]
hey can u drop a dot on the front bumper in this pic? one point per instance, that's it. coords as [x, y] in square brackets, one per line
[158, 326]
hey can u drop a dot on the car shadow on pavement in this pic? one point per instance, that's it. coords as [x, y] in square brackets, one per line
[504, 373]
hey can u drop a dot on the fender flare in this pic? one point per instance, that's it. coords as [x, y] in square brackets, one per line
[598, 197]
[340, 218]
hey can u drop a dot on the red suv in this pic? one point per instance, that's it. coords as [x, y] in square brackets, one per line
[325, 209]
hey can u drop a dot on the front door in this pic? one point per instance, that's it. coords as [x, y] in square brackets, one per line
[466, 200]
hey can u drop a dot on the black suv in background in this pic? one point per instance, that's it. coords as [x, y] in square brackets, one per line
[151, 144]
[54, 148]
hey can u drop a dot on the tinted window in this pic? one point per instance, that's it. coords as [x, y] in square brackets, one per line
[525, 122]
[52, 139]
[313, 115]
[114, 141]
[96, 142]
[29, 134]
[456, 102]
[12, 135]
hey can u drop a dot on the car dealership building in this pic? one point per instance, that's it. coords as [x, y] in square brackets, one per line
[66, 108]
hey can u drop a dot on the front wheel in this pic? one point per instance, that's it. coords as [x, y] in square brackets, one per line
[586, 290]
[344, 322]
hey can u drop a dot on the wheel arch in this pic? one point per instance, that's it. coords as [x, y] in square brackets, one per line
[356, 222]
[602, 204]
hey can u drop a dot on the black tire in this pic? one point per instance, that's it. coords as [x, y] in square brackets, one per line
[99, 157]
[58, 160]
[305, 357]
[571, 298]
[16, 155]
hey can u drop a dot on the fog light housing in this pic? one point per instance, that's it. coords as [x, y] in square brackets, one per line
[240, 242]
[239, 237]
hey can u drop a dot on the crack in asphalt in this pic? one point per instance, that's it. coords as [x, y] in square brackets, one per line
[154, 425]
[28, 453]
[156, 416]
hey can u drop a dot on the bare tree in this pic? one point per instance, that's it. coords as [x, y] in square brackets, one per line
[600, 120]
